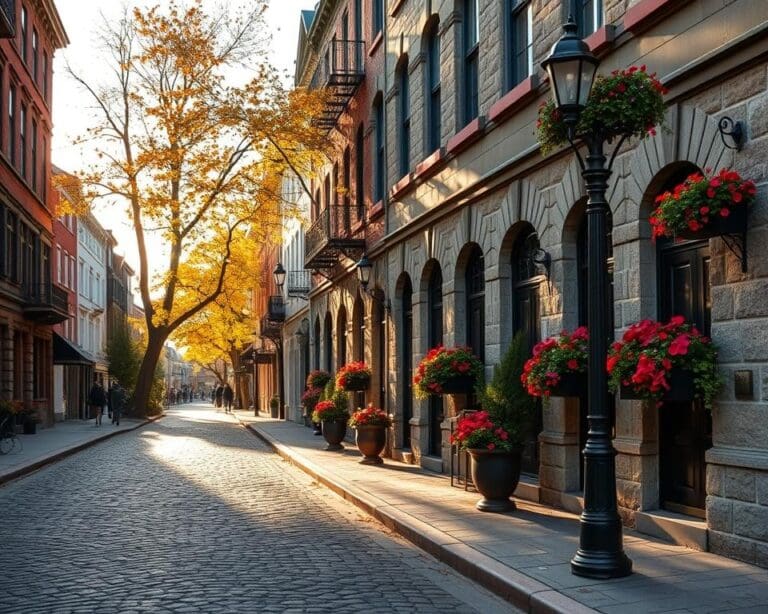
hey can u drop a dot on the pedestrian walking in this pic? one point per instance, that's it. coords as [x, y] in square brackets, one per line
[228, 395]
[117, 402]
[219, 395]
[97, 399]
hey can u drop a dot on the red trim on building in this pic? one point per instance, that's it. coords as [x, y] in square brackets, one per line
[503, 108]
[466, 136]
[646, 12]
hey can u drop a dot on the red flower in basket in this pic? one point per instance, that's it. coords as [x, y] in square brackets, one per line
[353, 376]
[551, 358]
[442, 365]
[476, 430]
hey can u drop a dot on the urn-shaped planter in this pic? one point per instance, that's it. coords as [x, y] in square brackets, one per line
[460, 384]
[496, 475]
[333, 432]
[571, 384]
[681, 388]
[370, 441]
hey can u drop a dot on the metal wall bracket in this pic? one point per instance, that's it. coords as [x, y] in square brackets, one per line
[737, 244]
[732, 129]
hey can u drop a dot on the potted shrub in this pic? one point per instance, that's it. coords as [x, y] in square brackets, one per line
[318, 379]
[627, 103]
[28, 419]
[701, 208]
[353, 376]
[333, 414]
[274, 406]
[308, 400]
[448, 371]
[558, 367]
[664, 362]
[370, 426]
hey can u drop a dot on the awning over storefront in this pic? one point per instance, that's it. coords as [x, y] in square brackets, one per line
[64, 353]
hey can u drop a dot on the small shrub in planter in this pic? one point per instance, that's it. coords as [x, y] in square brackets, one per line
[650, 354]
[371, 426]
[333, 414]
[701, 207]
[353, 376]
[448, 371]
[555, 362]
[274, 406]
[626, 103]
[318, 379]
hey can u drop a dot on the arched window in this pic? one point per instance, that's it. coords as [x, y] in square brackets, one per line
[358, 330]
[526, 313]
[433, 125]
[475, 294]
[328, 343]
[435, 338]
[346, 184]
[404, 117]
[406, 361]
[360, 172]
[341, 337]
[470, 52]
[379, 318]
[317, 343]
[378, 169]
[327, 192]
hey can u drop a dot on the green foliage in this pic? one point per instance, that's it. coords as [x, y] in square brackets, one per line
[505, 398]
[329, 390]
[124, 356]
[333, 409]
[441, 365]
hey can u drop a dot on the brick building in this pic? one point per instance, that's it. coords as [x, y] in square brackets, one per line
[30, 300]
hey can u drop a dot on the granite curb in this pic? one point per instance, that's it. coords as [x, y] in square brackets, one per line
[15, 474]
[519, 589]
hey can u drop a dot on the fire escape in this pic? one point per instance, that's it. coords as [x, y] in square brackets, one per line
[7, 18]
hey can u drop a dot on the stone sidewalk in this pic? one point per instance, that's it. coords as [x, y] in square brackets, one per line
[51, 444]
[524, 555]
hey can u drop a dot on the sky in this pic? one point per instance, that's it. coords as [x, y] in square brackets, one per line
[72, 114]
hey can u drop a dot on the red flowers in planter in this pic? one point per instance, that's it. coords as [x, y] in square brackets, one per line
[370, 416]
[333, 409]
[476, 430]
[441, 365]
[318, 379]
[648, 352]
[698, 202]
[552, 358]
[353, 376]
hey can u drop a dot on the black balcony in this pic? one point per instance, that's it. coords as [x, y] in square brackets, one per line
[7, 18]
[330, 237]
[46, 303]
[299, 283]
[276, 309]
[339, 73]
[271, 329]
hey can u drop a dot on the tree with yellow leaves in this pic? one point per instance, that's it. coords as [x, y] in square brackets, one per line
[192, 151]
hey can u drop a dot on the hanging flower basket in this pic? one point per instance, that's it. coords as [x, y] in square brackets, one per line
[558, 367]
[664, 362]
[702, 208]
[626, 103]
[353, 376]
[318, 379]
[448, 371]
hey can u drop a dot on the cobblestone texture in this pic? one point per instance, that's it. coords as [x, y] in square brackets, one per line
[194, 514]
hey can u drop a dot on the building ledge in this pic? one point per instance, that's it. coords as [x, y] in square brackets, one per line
[601, 39]
[429, 165]
[647, 12]
[401, 186]
[375, 43]
[466, 136]
[677, 528]
[376, 211]
[507, 104]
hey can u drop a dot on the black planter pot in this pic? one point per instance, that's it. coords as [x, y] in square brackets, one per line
[735, 223]
[334, 434]
[30, 426]
[357, 384]
[681, 387]
[370, 441]
[461, 384]
[571, 384]
[495, 474]
[273, 412]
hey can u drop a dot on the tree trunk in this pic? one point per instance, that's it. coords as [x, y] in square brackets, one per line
[235, 358]
[155, 341]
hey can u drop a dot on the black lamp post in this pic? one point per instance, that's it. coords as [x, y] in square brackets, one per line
[279, 275]
[364, 268]
[571, 67]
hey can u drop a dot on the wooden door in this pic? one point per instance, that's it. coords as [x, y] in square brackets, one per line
[685, 429]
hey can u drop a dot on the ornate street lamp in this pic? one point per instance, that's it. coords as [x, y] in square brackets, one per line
[364, 268]
[279, 275]
[571, 67]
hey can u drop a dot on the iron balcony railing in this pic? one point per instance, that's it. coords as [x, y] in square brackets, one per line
[341, 65]
[47, 295]
[270, 329]
[7, 18]
[299, 283]
[276, 308]
[331, 232]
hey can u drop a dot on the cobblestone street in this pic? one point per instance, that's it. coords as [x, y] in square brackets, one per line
[194, 514]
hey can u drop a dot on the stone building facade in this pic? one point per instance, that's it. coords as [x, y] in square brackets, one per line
[469, 201]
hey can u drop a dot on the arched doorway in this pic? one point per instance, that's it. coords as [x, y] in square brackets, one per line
[406, 358]
[474, 281]
[380, 323]
[435, 338]
[341, 337]
[328, 343]
[526, 314]
[316, 338]
[358, 341]
[685, 428]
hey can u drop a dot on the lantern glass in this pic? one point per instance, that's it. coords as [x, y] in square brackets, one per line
[279, 275]
[364, 267]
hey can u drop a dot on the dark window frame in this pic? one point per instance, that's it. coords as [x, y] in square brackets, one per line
[379, 157]
[470, 57]
[404, 116]
[519, 11]
[434, 111]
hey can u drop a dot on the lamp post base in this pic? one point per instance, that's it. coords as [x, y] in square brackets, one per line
[601, 565]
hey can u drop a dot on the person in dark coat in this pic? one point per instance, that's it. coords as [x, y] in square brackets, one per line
[117, 402]
[228, 395]
[97, 399]
[219, 395]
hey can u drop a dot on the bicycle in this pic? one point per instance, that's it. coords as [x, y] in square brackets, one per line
[8, 438]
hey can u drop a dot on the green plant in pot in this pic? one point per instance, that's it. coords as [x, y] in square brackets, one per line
[332, 414]
[494, 437]
[274, 406]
